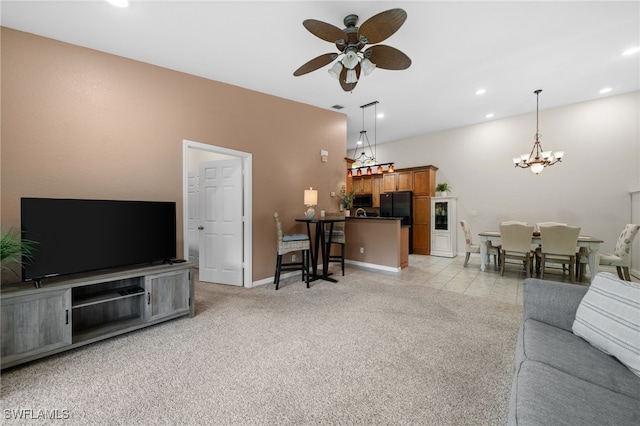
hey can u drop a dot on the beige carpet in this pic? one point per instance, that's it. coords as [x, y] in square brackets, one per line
[371, 349]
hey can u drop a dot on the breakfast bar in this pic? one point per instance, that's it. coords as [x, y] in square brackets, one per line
[377, 242]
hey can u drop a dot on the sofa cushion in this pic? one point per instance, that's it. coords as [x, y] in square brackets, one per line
[571, 354]
[543, 395]
[608, 317]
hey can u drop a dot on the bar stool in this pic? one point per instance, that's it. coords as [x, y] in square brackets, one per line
[336, 237]
[287, 244]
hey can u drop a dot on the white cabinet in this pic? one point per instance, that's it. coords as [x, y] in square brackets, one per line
[443, 226]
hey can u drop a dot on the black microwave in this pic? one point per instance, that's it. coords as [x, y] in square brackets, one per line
[362, 200]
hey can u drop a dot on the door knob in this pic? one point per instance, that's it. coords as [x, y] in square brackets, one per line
[200, 227]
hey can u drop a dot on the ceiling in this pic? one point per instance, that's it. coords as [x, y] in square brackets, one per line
[569, 49]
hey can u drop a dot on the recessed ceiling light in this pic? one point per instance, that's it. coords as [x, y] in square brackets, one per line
[481, 91]
[605, 90]
[119, 3]
[380, 115]
[490, 115]
[631, 51]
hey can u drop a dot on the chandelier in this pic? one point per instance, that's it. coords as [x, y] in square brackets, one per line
[538, 159]
[365, 162]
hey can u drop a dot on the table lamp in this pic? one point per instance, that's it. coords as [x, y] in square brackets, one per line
[310, 200]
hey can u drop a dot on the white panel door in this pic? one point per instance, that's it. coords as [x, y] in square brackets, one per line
[220, 215]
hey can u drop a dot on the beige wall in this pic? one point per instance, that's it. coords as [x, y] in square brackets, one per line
[590, 188]
[79, 123]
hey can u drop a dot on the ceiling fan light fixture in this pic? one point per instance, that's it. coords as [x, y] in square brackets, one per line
[367, 66]
[350, 60]
[335, 70]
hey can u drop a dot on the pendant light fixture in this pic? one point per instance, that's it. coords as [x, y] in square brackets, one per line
[538, 159]
[365, 162]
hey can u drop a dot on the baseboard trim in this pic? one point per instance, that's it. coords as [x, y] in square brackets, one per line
[373, 266]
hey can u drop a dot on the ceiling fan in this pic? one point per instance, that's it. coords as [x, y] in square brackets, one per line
[351, 41]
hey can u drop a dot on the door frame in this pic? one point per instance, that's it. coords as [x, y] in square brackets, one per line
[247, 207]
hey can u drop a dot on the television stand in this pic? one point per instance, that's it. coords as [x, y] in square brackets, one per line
[67, 312]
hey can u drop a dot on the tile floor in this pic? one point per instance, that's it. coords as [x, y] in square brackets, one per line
[451, 275]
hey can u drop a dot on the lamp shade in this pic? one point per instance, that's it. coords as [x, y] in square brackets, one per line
[367, 66]
[310, 197]
[335, 70]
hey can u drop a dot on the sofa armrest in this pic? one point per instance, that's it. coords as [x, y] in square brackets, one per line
[552, 302]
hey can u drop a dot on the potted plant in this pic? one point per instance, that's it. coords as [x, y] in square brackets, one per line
[14, 251]
[346, 199]
[442, 189]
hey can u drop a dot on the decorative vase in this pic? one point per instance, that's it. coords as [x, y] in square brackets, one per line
[347, 213]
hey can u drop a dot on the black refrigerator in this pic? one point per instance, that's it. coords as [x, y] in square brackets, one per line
[398, 204]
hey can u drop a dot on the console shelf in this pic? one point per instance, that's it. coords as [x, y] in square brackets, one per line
[107, 296]
[97, 332]
[67, 312]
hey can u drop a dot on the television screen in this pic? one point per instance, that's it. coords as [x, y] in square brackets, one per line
[85, 235]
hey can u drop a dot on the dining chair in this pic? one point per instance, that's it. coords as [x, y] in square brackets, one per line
[516, 244]
[289, 244]
[337, 237]
[538, 225]
[621, 256]
[558, 245]
[475, 248]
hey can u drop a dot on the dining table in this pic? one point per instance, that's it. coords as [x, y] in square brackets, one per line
[591, 243]
[321, 243]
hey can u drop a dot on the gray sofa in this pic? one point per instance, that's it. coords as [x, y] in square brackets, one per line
[560, 379]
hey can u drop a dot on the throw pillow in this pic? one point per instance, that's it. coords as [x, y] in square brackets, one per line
[608, 317]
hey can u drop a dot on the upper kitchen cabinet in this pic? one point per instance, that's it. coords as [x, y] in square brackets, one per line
[424, 181]
[420, 180]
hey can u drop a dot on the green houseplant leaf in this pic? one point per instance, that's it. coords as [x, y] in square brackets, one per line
[14, 251]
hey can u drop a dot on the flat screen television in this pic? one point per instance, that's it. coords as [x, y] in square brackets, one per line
[75, 235]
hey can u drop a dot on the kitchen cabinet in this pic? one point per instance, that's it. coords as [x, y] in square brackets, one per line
[424, 181]
[376, 189]
[443, 226]
[357, 184]
[421, 224]
[366, 184]
[398, 181]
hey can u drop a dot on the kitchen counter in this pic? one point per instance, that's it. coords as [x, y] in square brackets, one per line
[377, 242]
[374, 218]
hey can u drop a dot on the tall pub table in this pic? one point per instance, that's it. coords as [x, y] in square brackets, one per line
[322, 242]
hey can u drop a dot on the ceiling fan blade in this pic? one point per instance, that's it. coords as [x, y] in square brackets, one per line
[387, 57]
[324, 31]
[348, 87]
[315, 63]
[381, 26]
